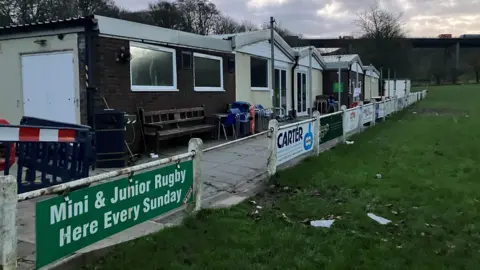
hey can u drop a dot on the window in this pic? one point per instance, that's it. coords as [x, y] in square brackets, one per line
[186, 60]
[152, 68]
[259, 73]
[208, 72]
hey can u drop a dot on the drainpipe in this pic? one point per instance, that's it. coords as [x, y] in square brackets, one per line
[347, 101]
[309, 100]
[89, 60]
[356, 78]
[293, 113]
[272, 51]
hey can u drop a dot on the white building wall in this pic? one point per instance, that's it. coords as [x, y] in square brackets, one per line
[263, 49]
[244, 90]
[11, 93]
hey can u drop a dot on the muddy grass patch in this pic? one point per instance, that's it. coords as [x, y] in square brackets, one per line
[441, 112]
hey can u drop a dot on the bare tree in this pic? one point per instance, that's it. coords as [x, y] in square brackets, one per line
[283, 32]
[29, 11]
[198, 15]
[378, 23]
[7, 8]
[102, 7]
[225, 25]
[166, 14]
[247, 26]
[385, 45]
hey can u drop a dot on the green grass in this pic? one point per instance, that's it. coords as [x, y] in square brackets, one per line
[430, 189]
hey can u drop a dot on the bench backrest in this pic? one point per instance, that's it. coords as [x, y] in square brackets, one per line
[173, 116]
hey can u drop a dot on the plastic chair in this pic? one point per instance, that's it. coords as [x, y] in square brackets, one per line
[229, 122]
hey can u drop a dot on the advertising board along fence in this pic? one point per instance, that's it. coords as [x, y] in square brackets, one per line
[295, 139]
[69, 222]
[331, 126]
[368, 113]
[351, 120]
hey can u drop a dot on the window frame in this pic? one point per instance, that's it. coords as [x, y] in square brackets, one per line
[155, 88]
[256, 88]
[208, 88]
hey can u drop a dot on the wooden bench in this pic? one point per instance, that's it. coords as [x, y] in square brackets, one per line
[167, 124]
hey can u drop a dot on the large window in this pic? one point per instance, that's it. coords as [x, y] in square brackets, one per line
[152, 68]
[208, 72]
[259, 73]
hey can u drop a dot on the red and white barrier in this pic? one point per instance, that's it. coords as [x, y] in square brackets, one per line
[34, 134]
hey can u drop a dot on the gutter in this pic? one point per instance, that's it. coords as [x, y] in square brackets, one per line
[293, 112]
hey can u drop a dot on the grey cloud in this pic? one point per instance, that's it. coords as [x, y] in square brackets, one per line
[422, 18]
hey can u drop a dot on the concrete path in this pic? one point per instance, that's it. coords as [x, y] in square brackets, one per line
[233, 169]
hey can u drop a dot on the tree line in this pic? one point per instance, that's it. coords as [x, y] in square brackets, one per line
[196, 16]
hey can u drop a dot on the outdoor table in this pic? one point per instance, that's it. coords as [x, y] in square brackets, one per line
[220, 117]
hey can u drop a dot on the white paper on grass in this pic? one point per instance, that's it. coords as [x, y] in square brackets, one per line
[378, 219]
[322, 223]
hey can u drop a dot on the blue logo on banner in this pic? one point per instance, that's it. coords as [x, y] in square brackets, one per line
[308, 138]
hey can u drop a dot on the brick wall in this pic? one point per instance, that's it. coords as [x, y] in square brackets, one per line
[113, 82]
[82, 87]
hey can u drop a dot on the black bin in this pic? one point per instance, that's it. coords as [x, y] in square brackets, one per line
[110, 138]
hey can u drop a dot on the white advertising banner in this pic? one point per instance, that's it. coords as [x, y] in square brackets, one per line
[352, 118]
[368, 113]
[380, 109]
[294, 141]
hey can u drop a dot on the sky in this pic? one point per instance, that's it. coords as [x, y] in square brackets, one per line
[333, 18]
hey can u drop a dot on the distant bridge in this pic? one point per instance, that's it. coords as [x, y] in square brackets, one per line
[348, 43]
[415, 42]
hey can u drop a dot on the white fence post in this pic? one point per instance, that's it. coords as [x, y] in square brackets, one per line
[272, 159]
[374, 111]
[196, 145]
[316, 133]
[344, 122]
[384, 104]
[360, 118]
[8, 217]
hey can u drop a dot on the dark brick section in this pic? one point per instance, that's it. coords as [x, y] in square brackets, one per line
[113, 82]
[330, 77]
[81, 74]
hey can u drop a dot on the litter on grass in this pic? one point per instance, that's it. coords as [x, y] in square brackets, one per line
[378, 219]
[349, 142]
[322, 223]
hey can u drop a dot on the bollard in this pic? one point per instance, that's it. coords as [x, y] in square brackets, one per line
[8, 216]
[196, 145]
[272, 147]
[344, 122]
[316, 137]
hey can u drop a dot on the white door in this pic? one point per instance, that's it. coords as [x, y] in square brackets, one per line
[49, 86]
[281, 88]
[302, 96]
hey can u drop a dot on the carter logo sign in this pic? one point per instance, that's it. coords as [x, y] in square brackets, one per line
[289, 137]
[294, 141]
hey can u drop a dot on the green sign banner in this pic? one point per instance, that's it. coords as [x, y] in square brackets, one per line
[335, 87]
[65, 224]
[331, 127]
